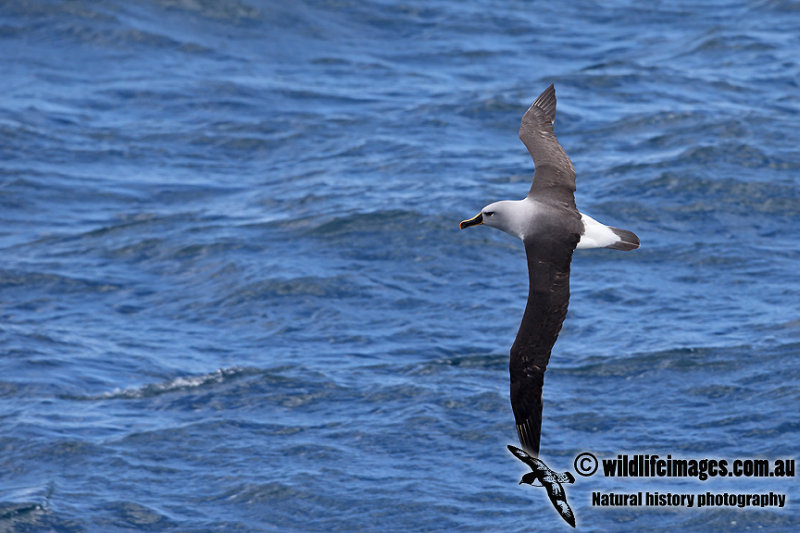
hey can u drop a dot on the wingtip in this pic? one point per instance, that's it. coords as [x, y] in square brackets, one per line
[516, 451]
[627, 240]
[547, 102]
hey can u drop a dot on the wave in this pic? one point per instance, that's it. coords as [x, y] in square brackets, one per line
[52, 282]
[178, 384]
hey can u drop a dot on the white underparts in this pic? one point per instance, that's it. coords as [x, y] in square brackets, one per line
[595, 234]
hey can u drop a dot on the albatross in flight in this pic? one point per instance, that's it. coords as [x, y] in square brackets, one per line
[551, 228]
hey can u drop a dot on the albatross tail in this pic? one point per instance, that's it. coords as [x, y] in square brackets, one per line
[626, 240]
[597, 235]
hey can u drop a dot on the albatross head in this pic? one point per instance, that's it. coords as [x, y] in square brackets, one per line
[508, 215]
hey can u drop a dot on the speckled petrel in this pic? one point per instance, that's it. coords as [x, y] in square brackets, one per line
[551, 228]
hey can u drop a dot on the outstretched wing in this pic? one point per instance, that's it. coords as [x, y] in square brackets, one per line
[559, 500]
[549, 255]
[524, 457]
[554, 176]
[543, 472]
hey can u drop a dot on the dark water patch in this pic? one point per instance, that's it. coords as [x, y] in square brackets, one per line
[317, 287]
[727, 157]
[731, 195]
[393, 222]
[33, 517]
[680, 360]
[477, 361]
[718, 40]
[129, 514]
[233, 11]
[51, 282]
[13, 512]
[717, 392]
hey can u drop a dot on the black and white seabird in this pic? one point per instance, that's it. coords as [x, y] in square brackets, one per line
[551, 228]
[551, 481]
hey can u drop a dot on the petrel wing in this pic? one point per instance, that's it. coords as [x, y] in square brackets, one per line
[549, 255]
[542, 471]
[554, 175]
[559, 500]
[524, 457]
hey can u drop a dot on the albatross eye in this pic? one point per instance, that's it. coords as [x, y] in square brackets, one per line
[489, 213]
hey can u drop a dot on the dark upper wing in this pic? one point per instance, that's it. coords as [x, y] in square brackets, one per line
[524, 457]
[549, 256]
[554, 177]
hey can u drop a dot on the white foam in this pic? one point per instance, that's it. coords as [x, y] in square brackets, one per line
[183, 382]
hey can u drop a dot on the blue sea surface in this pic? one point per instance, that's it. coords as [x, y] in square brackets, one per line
[234, 295]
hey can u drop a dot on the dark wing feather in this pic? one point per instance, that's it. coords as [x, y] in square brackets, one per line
[522, 456]
[549, 255]
[554, 176]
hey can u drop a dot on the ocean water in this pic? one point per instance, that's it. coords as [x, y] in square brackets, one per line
[234, 296]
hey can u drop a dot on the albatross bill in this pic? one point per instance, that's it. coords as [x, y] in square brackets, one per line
[474, 221]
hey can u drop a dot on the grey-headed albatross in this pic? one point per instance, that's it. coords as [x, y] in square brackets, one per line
[551, 228]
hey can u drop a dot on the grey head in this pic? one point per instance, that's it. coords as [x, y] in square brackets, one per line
[510, 216]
